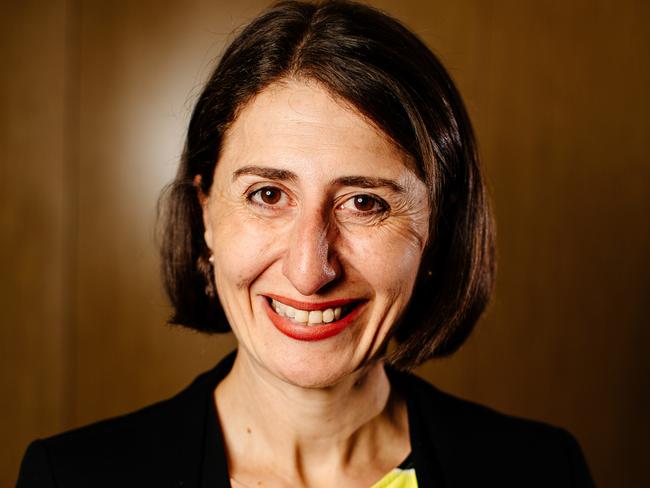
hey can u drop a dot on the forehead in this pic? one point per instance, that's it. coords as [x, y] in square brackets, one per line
[298, 122]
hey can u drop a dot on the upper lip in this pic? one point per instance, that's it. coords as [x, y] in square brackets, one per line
[308, 306]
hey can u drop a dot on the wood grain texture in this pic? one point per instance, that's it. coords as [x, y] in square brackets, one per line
[139, 65]
[558, 95]
[32, 224]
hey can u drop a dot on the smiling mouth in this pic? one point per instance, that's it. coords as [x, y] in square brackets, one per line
[312, 321]
[325, 315]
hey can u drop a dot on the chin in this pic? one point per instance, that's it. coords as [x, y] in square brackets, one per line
[311, 369]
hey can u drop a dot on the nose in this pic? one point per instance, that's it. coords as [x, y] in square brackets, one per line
[310, 262]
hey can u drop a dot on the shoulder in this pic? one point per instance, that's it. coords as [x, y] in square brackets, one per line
[148, 447]
[474, 443]
[468, 418]
[98, 448]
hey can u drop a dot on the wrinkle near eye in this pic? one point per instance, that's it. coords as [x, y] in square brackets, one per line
[407, 219]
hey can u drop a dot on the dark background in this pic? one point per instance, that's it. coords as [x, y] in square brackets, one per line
[95, 96]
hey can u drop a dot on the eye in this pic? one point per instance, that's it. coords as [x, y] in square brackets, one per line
[364, 204]
[267, 196]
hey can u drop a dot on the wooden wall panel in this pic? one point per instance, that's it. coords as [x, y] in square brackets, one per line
[32, 239]
[140, 67]
[557, 91]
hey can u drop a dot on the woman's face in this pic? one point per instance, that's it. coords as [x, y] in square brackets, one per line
[317, 225]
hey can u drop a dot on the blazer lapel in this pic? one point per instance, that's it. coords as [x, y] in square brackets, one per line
[426, 433]
[197, 457]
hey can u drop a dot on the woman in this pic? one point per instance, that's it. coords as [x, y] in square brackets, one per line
[330, 211]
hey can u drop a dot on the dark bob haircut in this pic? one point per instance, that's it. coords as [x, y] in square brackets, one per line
[372, 62]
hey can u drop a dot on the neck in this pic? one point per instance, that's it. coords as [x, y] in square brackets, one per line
[295, 429]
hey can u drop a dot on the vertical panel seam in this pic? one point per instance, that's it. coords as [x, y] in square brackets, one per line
[71, 139]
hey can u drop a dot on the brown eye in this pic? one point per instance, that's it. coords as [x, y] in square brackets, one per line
[270, 196]
[364, 203]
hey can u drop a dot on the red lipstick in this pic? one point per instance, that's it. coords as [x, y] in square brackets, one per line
[313, 306]
[303, 332]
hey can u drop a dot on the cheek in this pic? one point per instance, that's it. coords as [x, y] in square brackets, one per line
[387, 259]
[242, 249]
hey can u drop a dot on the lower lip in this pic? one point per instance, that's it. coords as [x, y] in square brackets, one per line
[318, 332]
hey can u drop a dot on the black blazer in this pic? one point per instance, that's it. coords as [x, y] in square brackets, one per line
[177, 443]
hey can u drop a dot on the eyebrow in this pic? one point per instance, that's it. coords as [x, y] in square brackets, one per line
[369, 182]
[286, 175]
[262, 172]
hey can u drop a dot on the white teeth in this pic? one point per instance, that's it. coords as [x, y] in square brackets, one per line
[301, 316]
[314, 317]
[328, 315]
[278, 307]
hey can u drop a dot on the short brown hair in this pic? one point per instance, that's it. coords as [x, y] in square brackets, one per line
[373, 62]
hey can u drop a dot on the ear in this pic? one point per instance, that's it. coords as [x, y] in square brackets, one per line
[196, 182]
[204, 202]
